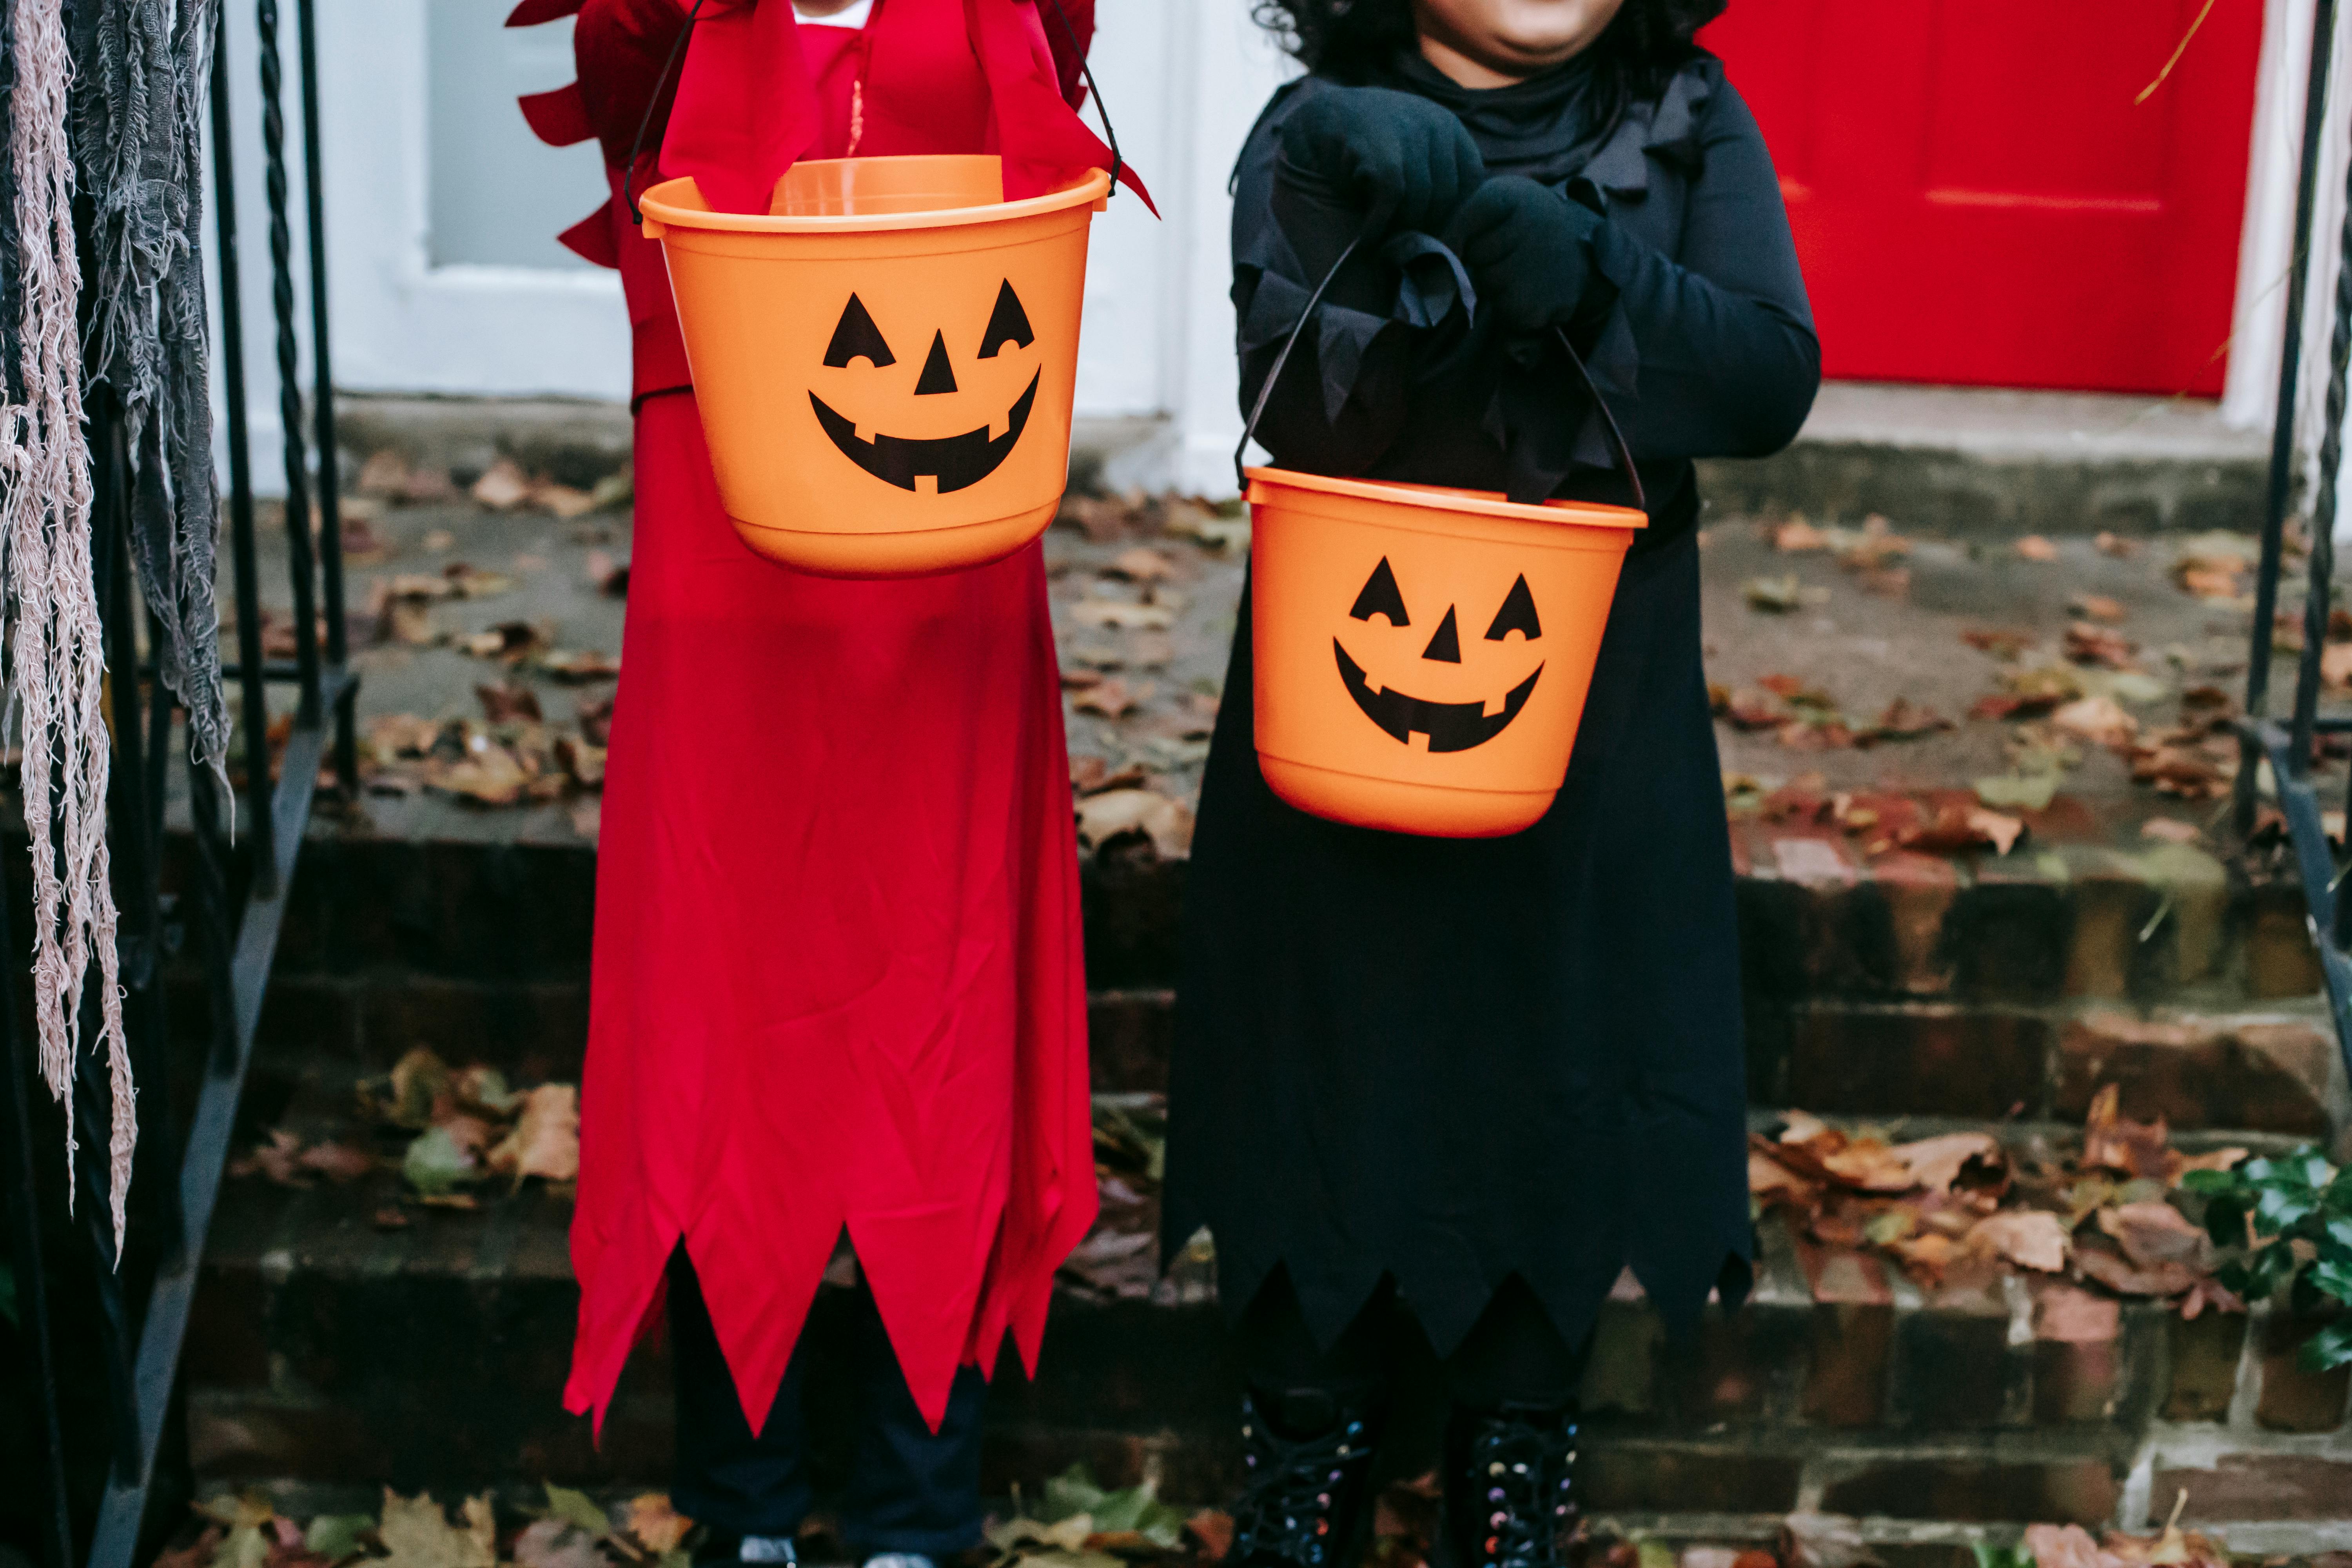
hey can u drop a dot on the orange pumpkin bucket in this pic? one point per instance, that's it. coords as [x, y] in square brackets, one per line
[1423, 653]
[885, 360]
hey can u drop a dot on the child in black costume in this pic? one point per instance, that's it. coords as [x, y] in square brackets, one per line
[1456, 1087]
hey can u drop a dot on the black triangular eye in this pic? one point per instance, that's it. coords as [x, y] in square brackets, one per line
[1518, 614]
[1445, 648]
[857, 337]
[1380, 597]
[1008, 324]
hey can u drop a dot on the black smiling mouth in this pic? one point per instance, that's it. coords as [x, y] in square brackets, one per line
[1450, 726]
[955, 461]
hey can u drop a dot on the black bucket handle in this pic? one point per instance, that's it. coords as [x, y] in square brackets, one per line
[644, 123]
[1378, 221]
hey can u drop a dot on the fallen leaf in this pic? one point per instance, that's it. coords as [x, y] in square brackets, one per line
[2113, 1142]
[1778, 595]
[2116, 545]
[335, 1537]
[437, 1164]
[2154, 1233]
[2018, 791]
[1111, 697]
[577, 665]
[657, 1527]
[1824, 1540]
[277, 1159]
[2171, 830]
[1904, 720]
[2126, 1278]
[1797, 535]
[509, 641]
[2001, 642]
[2098, 608]
[545, 1142]
[419, 1079]
[1971, 1161]
[338, 1161]
[1142, 565]
[2036, 549]
[606, 575]
[501, 704]
[553, 1543]
[576, 1508]
[1113, 813]
[1213, 1529]
[1120, 614]
[503, 487]
[2098, 719]
[416, 1534]
[2088, 643]
[389, 1217]
[2031, 1238]
[2067, 1546]
[2335, 665]
[438, 539]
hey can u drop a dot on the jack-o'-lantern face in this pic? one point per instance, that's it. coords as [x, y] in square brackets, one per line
[954, 426]
[1458, 698]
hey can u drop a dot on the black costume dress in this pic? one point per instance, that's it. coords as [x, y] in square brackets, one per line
[1451, 1061]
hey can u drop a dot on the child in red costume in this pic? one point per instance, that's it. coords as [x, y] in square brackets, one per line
[837, 980]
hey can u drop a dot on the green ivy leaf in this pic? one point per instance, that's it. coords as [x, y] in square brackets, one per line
[2329, 1349]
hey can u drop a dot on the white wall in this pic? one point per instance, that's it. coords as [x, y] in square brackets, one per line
[445, 277]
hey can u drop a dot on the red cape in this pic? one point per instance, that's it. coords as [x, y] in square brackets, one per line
[838, 979]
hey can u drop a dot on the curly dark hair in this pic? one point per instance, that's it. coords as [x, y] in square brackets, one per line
[1345, 39]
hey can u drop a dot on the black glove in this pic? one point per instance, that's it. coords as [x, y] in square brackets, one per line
[1528, 251]
[1381, 148]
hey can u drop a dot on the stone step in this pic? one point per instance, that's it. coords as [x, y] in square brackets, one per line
[1979, 986]
[1988, 461]
[1959, 460]
[326, 1350]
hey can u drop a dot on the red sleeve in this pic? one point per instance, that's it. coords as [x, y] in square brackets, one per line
[1071, 35]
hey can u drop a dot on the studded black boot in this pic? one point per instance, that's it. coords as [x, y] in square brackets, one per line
[1305, 1481]
[1511, 1492]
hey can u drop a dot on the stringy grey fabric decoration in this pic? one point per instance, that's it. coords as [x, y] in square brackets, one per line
[143, 68]
[58, 671]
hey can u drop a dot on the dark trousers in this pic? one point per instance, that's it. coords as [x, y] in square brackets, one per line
[1512, 1355]
[910, 1489]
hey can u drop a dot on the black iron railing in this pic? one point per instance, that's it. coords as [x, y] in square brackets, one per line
[108, 1433]
[2290, 748]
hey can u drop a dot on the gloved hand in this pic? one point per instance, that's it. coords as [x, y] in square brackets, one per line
[1379, 147]
[1528, 251]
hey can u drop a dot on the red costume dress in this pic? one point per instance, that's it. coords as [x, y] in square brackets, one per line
[838, 979]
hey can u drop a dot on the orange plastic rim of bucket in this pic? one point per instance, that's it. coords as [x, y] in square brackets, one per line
[1423, 653]
[884, 362]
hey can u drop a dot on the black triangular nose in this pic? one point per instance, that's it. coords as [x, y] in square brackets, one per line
[1446, 646]
[936, 376]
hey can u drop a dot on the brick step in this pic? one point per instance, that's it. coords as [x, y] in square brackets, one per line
[329, 1352]
[1907, 984]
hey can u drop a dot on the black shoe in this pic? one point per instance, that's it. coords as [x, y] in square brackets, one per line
[1306, 1470]
[1510, 1487]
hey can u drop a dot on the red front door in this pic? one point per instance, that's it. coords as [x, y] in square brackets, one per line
[1977, 197]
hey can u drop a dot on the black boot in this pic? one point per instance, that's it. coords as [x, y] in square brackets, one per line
[1307, 1455]
[1510, 1487]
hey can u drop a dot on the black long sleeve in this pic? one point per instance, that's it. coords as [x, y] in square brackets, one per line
[1697, 328]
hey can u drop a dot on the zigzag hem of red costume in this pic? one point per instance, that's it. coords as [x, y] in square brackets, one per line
[969, 1260]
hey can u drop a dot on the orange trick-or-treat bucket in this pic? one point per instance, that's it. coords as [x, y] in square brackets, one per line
[1423, 653]
[885, 360]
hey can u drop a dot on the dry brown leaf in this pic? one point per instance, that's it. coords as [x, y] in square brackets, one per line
[278, 1159]
[2335, 665]
[338, 1161]
[1142, 565]
[2088, 643]
[419, 1079]
[1213, 1529]
[2112, 1142]
[1967, 1161]
[1122, 615]
[2098, 608]
[2001, 642]
[501, 704]
[2036, 549]
[656, 1526]
[2126, 1278]
[2098, 719]
[2154, 1232]
[1824, 1540]
[1797, 535]
[503, 487]
[2171, 830]
[418, 1535]
[2116, 545]
[576, 666]
[1111, 697]
[545, 1142]
[1113, 813]
[2029, 1238]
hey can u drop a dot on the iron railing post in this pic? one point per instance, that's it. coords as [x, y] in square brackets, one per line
[298, 550]
[322, 402]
